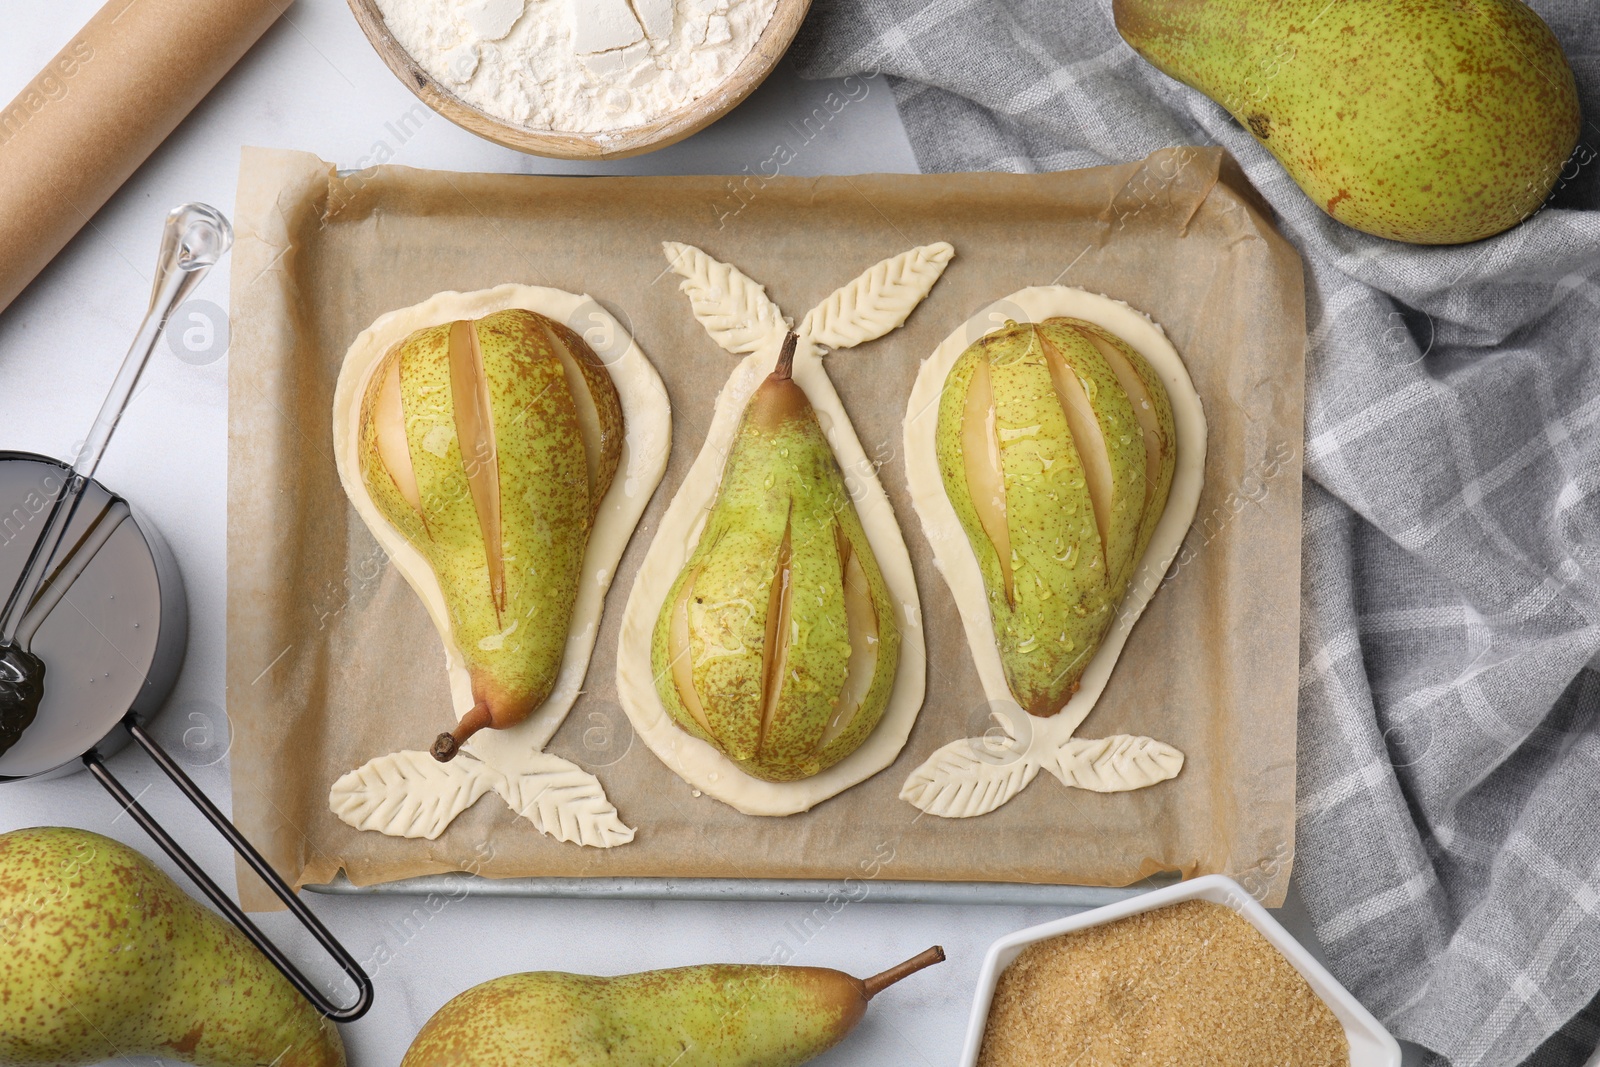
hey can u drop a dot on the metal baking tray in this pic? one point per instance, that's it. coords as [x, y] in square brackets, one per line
[748, 889]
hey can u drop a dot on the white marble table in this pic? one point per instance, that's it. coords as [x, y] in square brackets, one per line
[314, 84]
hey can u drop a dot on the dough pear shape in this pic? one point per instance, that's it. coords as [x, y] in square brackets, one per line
[104, 957]
[1056, 447]
[1056, 463]
[565, 405]
[1430, 121]
[489, 444]
[778, 642]
[771, 651]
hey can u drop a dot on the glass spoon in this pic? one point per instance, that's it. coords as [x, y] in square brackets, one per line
[195, 237]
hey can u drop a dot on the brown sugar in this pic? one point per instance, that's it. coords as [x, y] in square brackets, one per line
[1190, 984]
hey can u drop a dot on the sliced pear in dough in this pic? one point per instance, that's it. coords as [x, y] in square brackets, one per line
[777, 644]
[488, 444]
[1055, 447]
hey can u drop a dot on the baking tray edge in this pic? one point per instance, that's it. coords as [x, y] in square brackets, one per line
[461, 883]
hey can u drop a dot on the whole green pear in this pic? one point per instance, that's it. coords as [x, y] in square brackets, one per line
[713, 1015]
[489, 445]
[778, 643]
[1428, 121]
[1057, 450]
[102, 956]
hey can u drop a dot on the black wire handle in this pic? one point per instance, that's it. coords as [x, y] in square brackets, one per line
[248, 853]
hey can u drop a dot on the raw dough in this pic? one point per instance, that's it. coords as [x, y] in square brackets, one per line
[976, 775]
[739, 316]
[509, 756]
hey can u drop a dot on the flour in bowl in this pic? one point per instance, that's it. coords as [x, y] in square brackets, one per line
[578, 66]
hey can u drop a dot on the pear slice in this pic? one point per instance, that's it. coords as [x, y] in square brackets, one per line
[1152, 407]
[681, 657]
[1156, 442]
[986, 483]
[1087, 438]
[1108, 438]
[778, 639]
[394, 453]
[861, 617]
[599, 416]
[475, 438]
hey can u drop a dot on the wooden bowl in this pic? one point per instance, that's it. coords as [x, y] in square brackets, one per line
[612, 144]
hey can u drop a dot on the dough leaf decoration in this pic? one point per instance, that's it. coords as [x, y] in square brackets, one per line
[734, 309]
[564, 801]
[878, 301]
[976, 775]
[970, 777]
[409, 794]
[1115, 764]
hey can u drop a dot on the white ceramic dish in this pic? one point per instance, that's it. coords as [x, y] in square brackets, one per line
[1370, 1044]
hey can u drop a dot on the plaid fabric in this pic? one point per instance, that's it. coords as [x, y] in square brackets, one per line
[1449, 744]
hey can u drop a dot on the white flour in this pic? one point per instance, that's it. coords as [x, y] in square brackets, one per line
[520, 60]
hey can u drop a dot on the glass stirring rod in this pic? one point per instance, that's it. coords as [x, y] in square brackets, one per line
[194, 239]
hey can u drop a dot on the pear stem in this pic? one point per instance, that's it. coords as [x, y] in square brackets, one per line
[445, 746]
[879, 982]
[785, 368]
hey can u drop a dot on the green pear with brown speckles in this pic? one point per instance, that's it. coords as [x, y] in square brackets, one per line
[1429, 121]
[102, 956]
[778, 642]
[713, 1015]
[489, 445]
[1057, 450]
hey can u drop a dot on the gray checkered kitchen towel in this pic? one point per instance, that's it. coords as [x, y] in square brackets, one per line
[1449, 787]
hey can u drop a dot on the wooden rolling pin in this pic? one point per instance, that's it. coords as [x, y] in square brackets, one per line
[100, 107]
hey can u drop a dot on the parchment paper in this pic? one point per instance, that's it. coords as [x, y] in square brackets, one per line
[331, 658]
